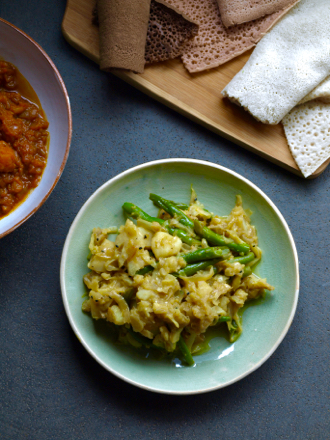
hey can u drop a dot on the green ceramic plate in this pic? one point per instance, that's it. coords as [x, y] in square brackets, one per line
[264, 325]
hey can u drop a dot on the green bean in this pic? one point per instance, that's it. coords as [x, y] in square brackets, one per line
[142, 339]
[136, 212]
[171, 209]
[129, 294]
[216, 269]
[247, 271]
[144, 270]
[243, 260]
[161, 205]
[185, 237]
[223, 319]
[185, 352]
[182, 206]
[235, 331]
[205, 254]
[219, 240]
[191, 269]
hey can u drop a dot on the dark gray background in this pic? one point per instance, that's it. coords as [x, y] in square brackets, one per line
[50, 387]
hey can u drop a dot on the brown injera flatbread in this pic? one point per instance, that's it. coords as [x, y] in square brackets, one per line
[167, 33]
[123, 28]
[240, 11]
[95, 17]
[215, 44]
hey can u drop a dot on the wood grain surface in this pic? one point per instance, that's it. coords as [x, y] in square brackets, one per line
[197, 96]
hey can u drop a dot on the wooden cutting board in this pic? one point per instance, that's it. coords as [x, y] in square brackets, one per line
[197, 96]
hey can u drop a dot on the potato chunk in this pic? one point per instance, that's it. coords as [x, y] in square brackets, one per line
[165, 245]
[8, 160]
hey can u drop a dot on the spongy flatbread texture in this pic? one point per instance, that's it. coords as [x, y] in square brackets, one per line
[239, 11]
[215, 44]
[123, 28]
[287, 64]
[307, 129]
[321, 92]
[168, 32]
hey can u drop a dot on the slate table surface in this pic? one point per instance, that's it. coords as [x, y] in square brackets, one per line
[50, 386]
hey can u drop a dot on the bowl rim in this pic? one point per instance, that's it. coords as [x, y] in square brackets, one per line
[145, 166]
[67, 101]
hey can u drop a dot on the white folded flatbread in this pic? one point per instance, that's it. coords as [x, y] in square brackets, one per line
[321, 92]
[287, 64]
[307, 129]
